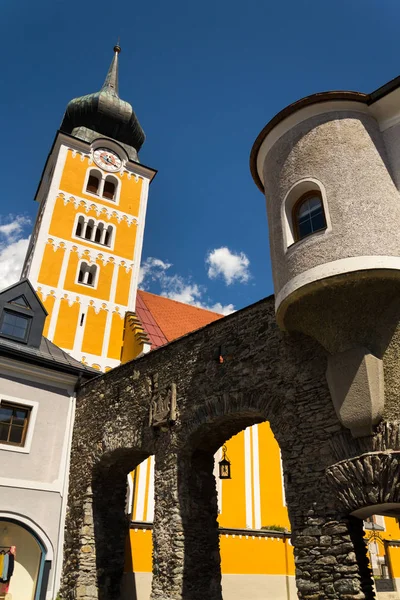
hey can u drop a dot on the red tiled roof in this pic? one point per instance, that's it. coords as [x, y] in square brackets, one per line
[165, 320]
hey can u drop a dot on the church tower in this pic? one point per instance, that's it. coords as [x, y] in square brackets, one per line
[85, 250]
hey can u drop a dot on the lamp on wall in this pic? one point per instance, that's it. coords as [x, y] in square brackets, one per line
[224, 465]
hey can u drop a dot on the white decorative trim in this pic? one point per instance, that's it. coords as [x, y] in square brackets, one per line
[150, 495]
[247, 478]
[256, 478]
[138, 245]
[26, 448]
[130, 493]
[337, 267]
[109, 318]
[104, 363]
[83, 299]
[100, 209]
[49, 203]
[141, 490]
[217, 459]
[91, 254]
[28, 484]
[297, 190]
[298, 117]
[63, 476]
[282, 479]
[29, 372]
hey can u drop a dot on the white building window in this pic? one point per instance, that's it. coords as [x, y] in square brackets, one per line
[87, 274]
[17, 421]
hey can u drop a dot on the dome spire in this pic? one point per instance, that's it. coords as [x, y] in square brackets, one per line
[111, 81]
[103, 113]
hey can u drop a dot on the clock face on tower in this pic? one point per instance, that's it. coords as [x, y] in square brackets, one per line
[107, 160]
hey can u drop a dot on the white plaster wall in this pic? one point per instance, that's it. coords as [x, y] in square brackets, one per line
[234, 587]
[43, 461]
[391, 139]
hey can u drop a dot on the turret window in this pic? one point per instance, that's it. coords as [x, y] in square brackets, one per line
[104, 186]
[308, 215]
[97, 232]
[87, 274]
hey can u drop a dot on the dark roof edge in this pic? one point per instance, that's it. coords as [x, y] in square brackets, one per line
[49, 364]
[307, 101]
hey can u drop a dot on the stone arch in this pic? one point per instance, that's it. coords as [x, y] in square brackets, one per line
[110, 521]
[192, 570]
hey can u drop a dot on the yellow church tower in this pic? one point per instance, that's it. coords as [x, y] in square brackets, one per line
[85, 250]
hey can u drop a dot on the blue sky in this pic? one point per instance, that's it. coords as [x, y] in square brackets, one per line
[204, 78]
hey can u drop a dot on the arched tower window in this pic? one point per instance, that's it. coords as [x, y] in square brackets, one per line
[79, 226]
[110, 187]
[87, 274]
[108, 236]
[89, 229]
[308, 215]
[93, 182]
[99, 233]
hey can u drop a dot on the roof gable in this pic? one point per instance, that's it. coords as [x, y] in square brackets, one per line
[22, 315]
[165, 320]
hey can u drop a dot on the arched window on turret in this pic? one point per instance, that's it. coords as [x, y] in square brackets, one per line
[93, 182]
[110, 187]
[87, 274]
[308, 215]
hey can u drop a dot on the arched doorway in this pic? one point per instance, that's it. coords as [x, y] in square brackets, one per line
[28, 580]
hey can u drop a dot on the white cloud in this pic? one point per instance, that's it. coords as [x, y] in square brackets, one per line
[228, 265]
[13, 246]
[155, 270]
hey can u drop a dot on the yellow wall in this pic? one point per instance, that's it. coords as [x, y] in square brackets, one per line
[73, 178]
[66, 324]
[95, 324]
[51, 265]
[123, 285]
[245, 552]
[117, 329]
[102, 290]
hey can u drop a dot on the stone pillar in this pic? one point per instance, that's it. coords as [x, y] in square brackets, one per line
[330, 559]
[186, 560]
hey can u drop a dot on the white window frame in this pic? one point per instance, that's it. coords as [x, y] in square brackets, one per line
[29, 404]
[96, 277]
[104, 175]
[97, 222]
[297, 190]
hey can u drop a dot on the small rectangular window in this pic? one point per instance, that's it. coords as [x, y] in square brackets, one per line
[15, 326]
[14, 421]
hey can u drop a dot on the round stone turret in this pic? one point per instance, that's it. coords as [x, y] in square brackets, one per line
[329, 166]
[329, 175]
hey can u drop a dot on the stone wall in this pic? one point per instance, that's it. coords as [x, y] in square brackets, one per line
[265, 375]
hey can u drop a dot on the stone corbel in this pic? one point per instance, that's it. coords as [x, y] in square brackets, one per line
[355, 380]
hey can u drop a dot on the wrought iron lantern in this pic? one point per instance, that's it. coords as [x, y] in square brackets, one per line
[224, 465]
